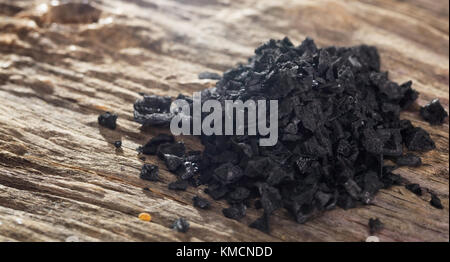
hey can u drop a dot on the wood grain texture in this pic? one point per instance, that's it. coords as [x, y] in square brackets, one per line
[61, 176]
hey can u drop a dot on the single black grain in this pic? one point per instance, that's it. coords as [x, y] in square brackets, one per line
[375, 225]
[433, 112]
[107, 120]
[201, 202]
[436, 202]
[181, 225]
[415, 188]
[149, 172]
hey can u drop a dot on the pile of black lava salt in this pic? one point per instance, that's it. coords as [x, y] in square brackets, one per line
[338, 121]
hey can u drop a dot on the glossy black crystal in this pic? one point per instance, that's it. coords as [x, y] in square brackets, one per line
[107, 120]
[149, 172]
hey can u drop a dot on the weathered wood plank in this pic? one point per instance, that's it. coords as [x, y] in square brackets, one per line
[61, 176]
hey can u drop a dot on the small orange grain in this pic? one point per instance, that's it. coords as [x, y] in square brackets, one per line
[145, 217]
[100, 107]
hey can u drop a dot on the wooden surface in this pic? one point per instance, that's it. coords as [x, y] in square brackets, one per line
[61, 176]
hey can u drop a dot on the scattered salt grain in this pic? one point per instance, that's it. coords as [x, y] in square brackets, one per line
[72, 239]
[372, 239]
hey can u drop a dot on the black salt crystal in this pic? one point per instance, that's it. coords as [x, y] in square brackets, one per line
[375, 226]
[226, 157]
[279, 176]
[409, 160]
[173, 162]
[417, 139]
[323, 200]
[255, 168]
[195, 182]
[149, 172]
[409, 95]
[107, 120]
[194, 156]
[372, 142]
[392, 141]
[261, 223]
[389, 179]
[216, 191]
[177, 149]
[238, 195]
[151, 147]
[201, 202]
[118, 144]
[346, 202]
[209, 75]
[178, 185]
[433, 112]
[236, 211]
[153, 110]
[228, 173]
[352, 189]
[181, 225]
[303, 163]
[270, 198]
[188, 170]
[436, 202]
[372, 184]
[415, 188]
